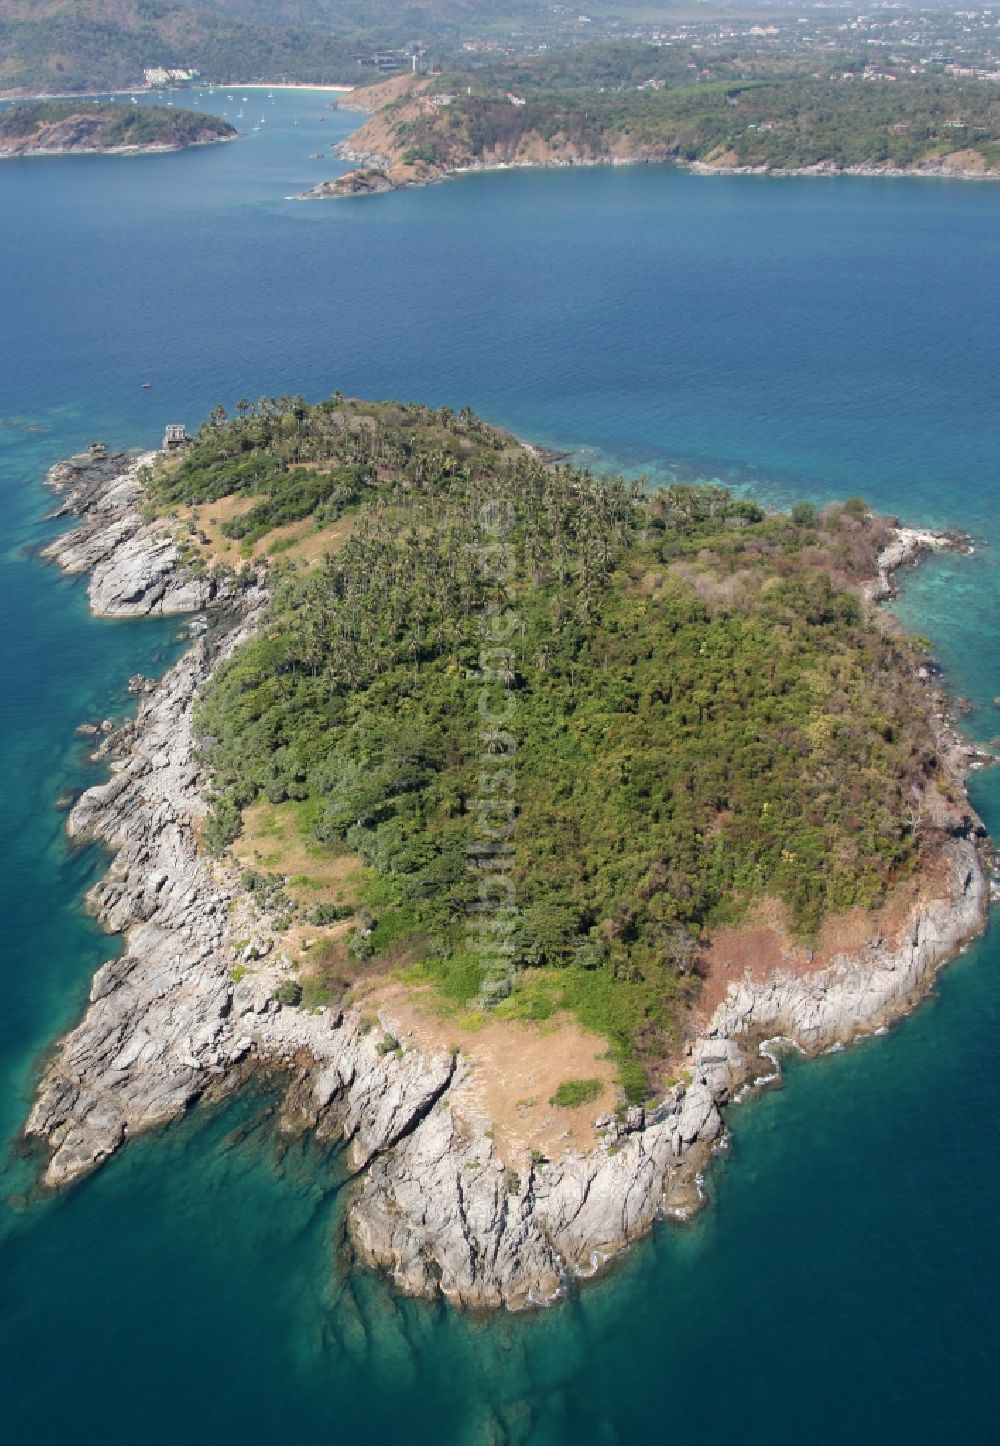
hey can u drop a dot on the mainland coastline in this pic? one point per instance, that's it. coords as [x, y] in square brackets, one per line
[177, 1018]
[375, 174]
[415, 135]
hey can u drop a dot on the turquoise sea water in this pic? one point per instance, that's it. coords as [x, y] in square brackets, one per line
[795, 337]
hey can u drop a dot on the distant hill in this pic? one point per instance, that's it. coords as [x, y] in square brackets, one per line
[370, 15]
[62, 46]
[52, 46]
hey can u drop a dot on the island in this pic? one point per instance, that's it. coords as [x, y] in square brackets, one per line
[512, 820]
[636, 104]
[75, 127]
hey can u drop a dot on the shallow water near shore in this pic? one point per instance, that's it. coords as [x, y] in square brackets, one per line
[794, 338]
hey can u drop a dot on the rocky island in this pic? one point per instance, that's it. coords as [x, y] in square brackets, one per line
[512, 818]
[77, 127]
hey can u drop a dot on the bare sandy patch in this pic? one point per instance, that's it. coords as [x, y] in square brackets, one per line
[722, 157]
[272, 842]
[966, 159]
[516, 1067]
[370, 98]
[200, 527]
[305, 542]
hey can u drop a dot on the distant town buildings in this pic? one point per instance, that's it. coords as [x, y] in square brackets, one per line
[386, 62]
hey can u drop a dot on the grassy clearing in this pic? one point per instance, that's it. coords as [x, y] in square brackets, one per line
[272, 839]
[201, 531]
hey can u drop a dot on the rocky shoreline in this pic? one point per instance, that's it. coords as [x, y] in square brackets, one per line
[176, 1018]
[26, 149]
[926, 170]
[375, 174]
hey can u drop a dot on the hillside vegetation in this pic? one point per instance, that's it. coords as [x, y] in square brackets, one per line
[55, 46]
[703, 711]
[633, 102]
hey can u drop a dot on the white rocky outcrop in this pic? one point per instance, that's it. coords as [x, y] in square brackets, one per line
[172, 1019]
[906, 546]
[436, 1211]
[135, 567]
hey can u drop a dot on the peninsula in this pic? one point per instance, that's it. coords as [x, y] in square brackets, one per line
[73, 127]
[506, 814]
[634, 106]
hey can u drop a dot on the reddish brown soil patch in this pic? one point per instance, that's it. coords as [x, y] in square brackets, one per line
[765, 944]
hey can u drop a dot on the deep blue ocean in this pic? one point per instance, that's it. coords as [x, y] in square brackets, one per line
[796, 338]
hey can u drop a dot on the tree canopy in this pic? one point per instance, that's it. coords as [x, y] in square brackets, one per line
[704, 712]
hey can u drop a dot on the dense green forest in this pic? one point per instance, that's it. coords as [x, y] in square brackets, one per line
[109, 126]
[703, 712]
[766, 119]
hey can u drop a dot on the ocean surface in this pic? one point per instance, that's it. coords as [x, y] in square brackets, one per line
[796, 338]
